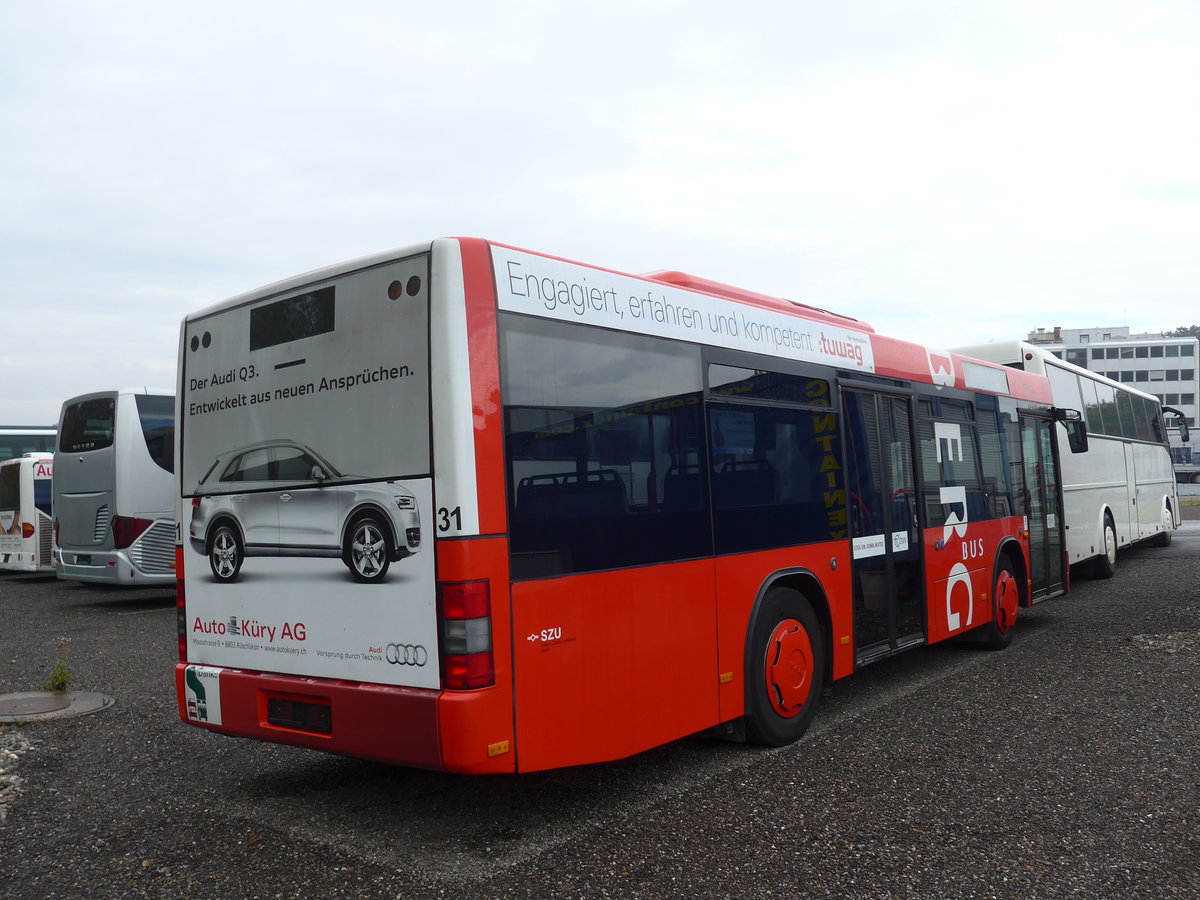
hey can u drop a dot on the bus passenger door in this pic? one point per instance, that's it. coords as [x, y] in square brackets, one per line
[1042, 508]
[889, 593]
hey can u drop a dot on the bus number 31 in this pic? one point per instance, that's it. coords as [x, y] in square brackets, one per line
[446, 515]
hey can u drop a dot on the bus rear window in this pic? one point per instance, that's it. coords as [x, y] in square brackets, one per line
[10, 487]
[157, 415]
[293, 319]
[88, 425]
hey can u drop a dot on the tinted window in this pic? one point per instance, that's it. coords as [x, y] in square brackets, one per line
[14, 445]
[10, 488]
[997, 435]
[1091, 406]
[1144, 413]
[302, 316]
[157, 415]
[950, 458]
[1064, 386]
[1110, 423]
[776, 476]
[1125, 414]
[42, 494]
[88, 425]
[737, 383]
[605, 449]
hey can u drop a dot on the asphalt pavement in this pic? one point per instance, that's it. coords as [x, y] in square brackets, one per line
[1065, 766]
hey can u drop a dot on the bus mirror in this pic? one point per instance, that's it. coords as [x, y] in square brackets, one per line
[1077, 437]
[1185, 434]
[1072, 421]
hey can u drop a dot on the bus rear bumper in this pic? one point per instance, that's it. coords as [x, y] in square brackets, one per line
[389, 724]
[107, 567]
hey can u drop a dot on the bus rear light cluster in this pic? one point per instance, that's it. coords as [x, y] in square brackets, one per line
[27, 530]
[126, 530]
[466, 616]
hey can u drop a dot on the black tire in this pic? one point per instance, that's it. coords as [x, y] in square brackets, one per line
[785, 668]
[1006, 602]
[368, 550]
[1163, 538]
[1105, 565]
[225, 553]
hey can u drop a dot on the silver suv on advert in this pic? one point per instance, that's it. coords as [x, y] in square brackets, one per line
[281, 498]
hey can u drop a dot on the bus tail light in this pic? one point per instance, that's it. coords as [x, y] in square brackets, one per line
[466, 617]
[126, 530]
[180, 606]
[27, 530]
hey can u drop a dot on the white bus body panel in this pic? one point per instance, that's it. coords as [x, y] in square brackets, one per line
[27, 505]
[1132, 481]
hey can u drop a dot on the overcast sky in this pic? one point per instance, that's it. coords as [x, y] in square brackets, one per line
[950, 172]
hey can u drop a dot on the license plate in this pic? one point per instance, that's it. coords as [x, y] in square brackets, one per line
[83, 559]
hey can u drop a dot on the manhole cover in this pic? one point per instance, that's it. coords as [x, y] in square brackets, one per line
[47, 705]
[23, 706]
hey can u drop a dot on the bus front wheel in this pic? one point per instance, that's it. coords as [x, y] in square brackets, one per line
[1006, 600]
[785, 667]
[1105, 565]
[225, 553]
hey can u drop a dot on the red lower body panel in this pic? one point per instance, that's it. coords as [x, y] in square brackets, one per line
[381, 722]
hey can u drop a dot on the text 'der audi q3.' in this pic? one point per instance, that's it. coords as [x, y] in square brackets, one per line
[280, 498]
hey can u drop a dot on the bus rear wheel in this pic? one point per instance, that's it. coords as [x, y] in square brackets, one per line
[785, 668]
[1105, 565]
[368, 550]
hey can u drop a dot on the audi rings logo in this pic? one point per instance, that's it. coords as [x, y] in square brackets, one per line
[406, 654]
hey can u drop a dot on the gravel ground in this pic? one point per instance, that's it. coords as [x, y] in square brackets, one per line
[1064, 766]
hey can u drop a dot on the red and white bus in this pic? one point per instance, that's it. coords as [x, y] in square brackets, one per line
[467, 507]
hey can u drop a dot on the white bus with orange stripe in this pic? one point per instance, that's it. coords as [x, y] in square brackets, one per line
[634, 508]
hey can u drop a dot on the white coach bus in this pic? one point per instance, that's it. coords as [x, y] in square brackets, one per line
[114, 515]
[26, 541]
[1122, 489]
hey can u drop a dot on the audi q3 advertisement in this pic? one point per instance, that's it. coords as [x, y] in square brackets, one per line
[306, 497]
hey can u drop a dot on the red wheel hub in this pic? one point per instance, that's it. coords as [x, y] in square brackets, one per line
[789, 668]
[1006, 601]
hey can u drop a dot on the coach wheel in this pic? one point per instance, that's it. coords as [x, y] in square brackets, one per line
[225, 553]
[1163, 538]
[368, 550]
[1006, 601]
[1105, 565]
[784, 669]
